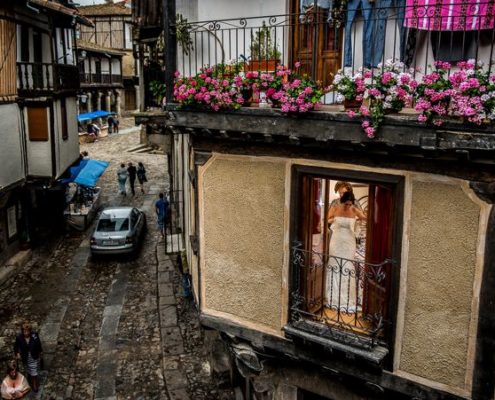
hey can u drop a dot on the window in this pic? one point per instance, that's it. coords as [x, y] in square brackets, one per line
[343, 254]
[128, 36]
[37, 117]
[63, 117]
[113, 225]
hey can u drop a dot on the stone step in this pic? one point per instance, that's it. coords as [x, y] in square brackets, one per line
[138, 147]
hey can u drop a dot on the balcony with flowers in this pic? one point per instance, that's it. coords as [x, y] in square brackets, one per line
[306, 76]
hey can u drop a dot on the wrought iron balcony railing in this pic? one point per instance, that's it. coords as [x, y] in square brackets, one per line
[325, 41]
[342, 299]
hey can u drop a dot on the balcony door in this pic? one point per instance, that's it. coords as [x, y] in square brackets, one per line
[37, 60]
[316, 43]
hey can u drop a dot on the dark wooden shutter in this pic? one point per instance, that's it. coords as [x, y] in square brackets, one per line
[378, 249]
[37, 123]
[314, 40]
[311, 275]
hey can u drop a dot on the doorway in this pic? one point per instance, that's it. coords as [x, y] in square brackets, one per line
[316, 43]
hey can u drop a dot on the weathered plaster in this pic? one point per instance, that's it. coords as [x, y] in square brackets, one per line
[242, 238]
[440, 279]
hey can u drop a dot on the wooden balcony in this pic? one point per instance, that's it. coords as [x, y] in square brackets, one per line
[100, 79]
[39, 79]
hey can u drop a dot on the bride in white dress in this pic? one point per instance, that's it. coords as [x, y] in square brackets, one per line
[341, 285]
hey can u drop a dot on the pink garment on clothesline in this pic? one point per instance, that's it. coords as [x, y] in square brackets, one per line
[450, 15]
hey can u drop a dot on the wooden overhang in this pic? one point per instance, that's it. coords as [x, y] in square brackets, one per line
[61, 9]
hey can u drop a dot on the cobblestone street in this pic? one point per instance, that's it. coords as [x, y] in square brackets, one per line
[111, 328]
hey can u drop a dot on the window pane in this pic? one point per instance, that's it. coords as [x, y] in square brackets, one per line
[113, 225]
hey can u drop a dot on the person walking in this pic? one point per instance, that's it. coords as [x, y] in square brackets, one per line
[132, 171]
[122, 179]
[110, 124]
[14, 385]
[116, 123]
[161, 208]
[141, 175]
[28, 349]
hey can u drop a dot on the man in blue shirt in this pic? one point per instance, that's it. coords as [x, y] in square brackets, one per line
[161, 208]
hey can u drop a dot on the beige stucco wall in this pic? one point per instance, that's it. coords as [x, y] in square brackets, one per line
[128, 65]
[242, 237]
[440, 277]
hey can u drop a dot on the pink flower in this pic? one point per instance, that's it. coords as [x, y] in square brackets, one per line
[370, 132]
[364, 111]
[297, 64]
[365, 124]
[351, 114]
[176, 74]
[422, 118]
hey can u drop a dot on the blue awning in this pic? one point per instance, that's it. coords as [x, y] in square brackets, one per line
[74, 171]
[91, 172]
[93, 114]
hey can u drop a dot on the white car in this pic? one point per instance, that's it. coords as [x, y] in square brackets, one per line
[119, 230]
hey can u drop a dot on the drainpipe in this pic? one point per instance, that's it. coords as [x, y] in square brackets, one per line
[37, 11]
[170, 53]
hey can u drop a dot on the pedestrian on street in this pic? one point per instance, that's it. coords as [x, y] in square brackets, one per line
[132, 171]
[110, 124]
[141, 175]
[122, 179]
[116, 124]
[28, 349]
[14, 385]
[161, 209]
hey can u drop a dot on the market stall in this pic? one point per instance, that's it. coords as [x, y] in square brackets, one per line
[86, 119]
[82, 194]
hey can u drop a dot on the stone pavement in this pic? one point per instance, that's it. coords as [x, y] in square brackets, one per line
[112, 328]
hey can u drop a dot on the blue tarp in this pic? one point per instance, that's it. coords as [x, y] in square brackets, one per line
[74, 171]
[92, 115]
[91, 172]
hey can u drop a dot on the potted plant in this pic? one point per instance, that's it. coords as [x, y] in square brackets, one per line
[349, 88]
[158, 90]
[433, 95]
[264, 51]
[206, 91]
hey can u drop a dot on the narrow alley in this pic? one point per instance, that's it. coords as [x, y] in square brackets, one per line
[113, 327]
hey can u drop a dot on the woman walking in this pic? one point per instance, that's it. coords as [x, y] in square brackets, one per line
[28, 349]
[141, 175]
[122, 179]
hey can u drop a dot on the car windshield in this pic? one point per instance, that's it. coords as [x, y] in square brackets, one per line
[113, 224]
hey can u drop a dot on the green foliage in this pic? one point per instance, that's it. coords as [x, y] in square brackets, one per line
[183, 30]
[158, 89]
[262, 45]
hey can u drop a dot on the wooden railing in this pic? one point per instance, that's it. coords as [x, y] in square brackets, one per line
[37, 77]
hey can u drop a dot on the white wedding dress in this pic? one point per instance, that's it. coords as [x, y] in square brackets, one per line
[340, 288]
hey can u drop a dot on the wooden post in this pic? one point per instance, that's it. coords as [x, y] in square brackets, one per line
[170, 53]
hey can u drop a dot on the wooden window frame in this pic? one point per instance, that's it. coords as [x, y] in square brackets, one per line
[398, 182]
[38, 137]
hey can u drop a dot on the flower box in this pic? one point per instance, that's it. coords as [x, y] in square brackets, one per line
[352, 104]
[262, 65]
